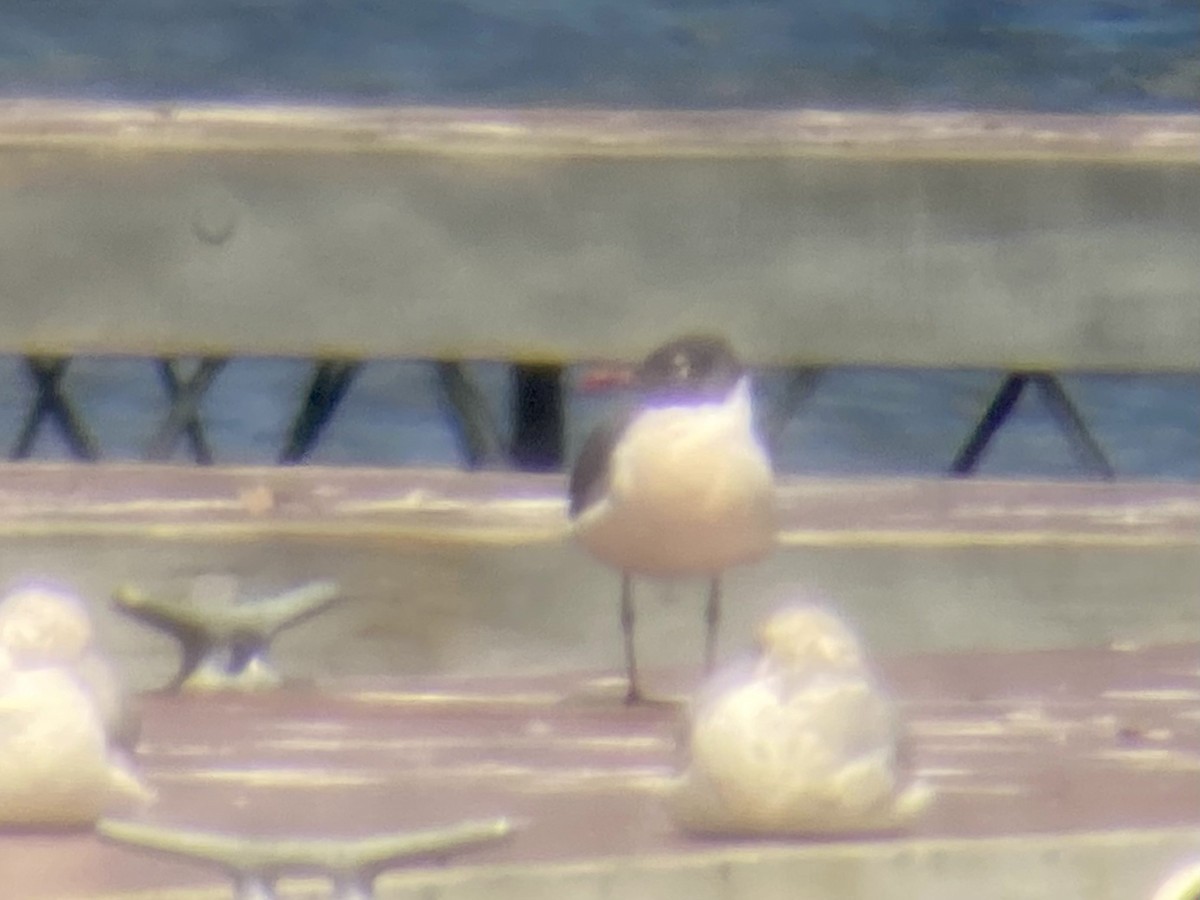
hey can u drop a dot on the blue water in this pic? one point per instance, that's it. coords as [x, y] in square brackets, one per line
[1065, 55]
[860, 421]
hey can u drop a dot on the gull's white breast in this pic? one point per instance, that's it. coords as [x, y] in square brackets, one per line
[690, 492]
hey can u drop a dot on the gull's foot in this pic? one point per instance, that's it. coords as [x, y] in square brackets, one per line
[635, 696]
[650, 701]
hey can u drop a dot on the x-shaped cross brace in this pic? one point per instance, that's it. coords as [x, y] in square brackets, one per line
[1086, 450]
[803, 382]
[183, 418]
[51, 403]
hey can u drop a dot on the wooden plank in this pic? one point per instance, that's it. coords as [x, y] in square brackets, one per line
[1003, 241]
[597, 133]
[449, 507]
[1031, 755]
[474, 573]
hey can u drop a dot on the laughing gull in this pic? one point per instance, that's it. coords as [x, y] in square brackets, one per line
[679, 486]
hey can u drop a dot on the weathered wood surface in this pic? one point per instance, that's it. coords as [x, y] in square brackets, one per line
[1010, 241]
[572, 133]
[475, 573]
[449, 506]
[1041, 746]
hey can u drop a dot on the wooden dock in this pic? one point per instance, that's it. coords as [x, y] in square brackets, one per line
[1034, 749]
[1043, 640]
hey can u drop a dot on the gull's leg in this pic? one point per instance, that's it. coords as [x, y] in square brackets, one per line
[712, 618]
[635, 694]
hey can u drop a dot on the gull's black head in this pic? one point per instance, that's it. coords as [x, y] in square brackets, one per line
[697, 367]
[688, 370]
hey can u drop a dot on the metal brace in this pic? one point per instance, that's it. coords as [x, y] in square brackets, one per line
[1086, 450]
[52, 403]
[330, 382]
[183, 418]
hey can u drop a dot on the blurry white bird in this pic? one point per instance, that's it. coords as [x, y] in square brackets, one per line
[61, 711]
[801, 740]
[44, 626]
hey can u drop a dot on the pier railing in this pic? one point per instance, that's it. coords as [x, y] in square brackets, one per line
[1033, 244]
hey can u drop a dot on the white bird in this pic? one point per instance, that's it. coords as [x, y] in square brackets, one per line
[802, 740]
[61, 713]
[679, 486]
[43, 626]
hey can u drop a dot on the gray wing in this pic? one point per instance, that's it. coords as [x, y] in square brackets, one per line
[589, 475]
